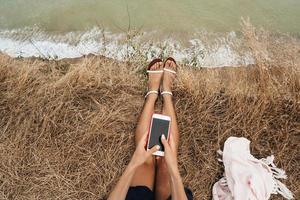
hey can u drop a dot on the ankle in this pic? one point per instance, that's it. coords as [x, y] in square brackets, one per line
[167, 88]
[167, 97]
[151, 97]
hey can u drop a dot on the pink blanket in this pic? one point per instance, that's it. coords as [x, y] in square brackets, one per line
[245, 177]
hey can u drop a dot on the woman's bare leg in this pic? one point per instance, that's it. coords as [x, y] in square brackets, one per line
[162, 184]
[145, 174]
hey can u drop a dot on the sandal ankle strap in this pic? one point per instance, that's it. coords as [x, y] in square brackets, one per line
[166, 92]
[151, 92]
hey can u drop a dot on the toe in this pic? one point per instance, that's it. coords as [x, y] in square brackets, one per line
[160, 65]
[154, 66]
[169, 63]
[173, 65]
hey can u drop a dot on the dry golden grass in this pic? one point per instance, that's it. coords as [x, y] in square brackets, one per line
[67, 127]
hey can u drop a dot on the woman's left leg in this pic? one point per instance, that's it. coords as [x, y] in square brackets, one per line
[162, 184]
[145, 174]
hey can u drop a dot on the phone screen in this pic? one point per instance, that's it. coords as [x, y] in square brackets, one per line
[159, 127]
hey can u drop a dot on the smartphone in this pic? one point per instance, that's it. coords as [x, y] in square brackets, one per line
[160, 124]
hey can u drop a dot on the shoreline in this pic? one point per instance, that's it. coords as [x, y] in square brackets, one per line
[198, 49]
[253, 47]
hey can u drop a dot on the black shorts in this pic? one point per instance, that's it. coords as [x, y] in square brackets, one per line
[144, 193]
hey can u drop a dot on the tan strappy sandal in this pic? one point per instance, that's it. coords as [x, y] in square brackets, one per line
[149, 71]
[168, 71]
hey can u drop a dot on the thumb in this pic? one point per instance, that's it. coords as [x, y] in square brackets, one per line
[164, 141]
[154, 149]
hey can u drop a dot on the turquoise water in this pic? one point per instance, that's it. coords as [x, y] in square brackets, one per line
[166, 15]
[72, 28]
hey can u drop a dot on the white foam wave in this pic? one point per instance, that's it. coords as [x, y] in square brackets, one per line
[30, 42]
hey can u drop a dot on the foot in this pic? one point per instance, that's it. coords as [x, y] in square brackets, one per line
[168, 77]
[154, 79]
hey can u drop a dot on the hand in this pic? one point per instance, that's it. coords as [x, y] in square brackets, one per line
[141, 154]
[170, 154]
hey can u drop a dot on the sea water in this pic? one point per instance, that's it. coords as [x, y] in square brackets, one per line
[206, 30]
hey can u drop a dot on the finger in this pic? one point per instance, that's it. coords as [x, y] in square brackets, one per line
[154, 149]
[164, 141]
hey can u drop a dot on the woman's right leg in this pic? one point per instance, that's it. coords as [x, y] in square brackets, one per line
[162, 184]
[145, 174]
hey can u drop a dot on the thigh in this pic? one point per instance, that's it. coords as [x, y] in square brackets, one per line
[144, 174]
[162, 182]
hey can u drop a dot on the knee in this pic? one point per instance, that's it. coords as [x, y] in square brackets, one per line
[149, 162]
[161, 165]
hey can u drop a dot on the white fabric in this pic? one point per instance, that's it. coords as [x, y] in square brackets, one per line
[166, 92]
[151, 92]
[169, 70]
[245, 177]
[154, 71]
